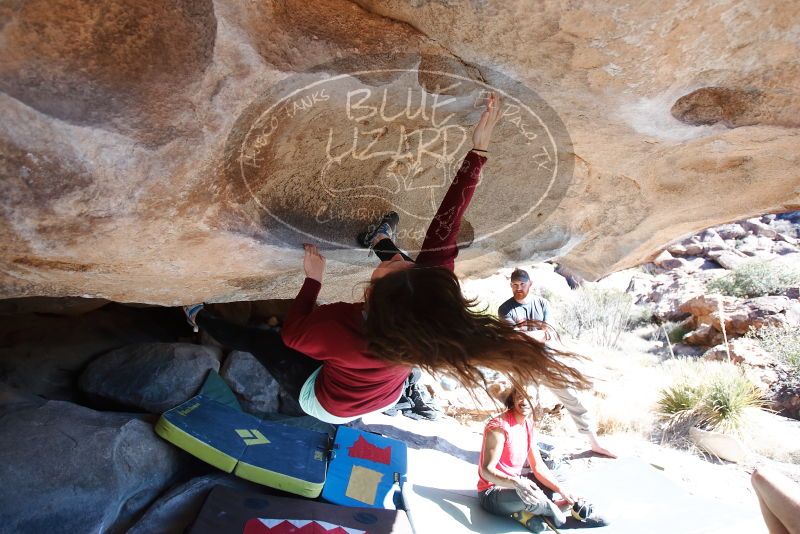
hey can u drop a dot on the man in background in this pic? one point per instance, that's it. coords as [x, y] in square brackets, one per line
[531, 314]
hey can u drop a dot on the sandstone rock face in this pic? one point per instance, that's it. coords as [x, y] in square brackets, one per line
[738, 315]
[741, 350]
[736, 107]
[124, 66]
[139, 162]
[664, 293]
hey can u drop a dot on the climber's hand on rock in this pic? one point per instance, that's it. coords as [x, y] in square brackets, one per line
[483, 130]
[313, 262]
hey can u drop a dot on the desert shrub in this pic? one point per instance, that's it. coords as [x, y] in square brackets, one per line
[781, 341]
[680, 398]
[710, 395]
[756, 279]
[649, 268]
[597, 316]
[549, 295]
[724, 403]
[676, 331]
[641, 316]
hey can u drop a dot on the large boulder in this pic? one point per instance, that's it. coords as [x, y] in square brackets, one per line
[66, 469]
[731, 231]
[784, 393]
[783, 248]
[739, 316]
[150, 376]
[666, 291]
[140, 162]
[728, 259]
[177, 508]
[704, 335]
[756, 246]
[741, 350]
[256, 389]
[711, 240]
[44, 353]
[759, 228]
[666, 260]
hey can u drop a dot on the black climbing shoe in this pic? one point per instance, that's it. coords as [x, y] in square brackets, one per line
[387, 226]
[424, 406]
[583, 515]
[415, 403]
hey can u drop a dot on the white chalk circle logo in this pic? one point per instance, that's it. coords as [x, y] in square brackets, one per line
[325, 153]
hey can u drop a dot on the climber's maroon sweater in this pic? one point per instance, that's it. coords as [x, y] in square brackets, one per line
[351, 382]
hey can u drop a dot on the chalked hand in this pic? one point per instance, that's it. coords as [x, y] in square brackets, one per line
[313, 262]
[483, 130]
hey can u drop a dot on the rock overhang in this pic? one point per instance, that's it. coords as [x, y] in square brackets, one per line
[143, 201]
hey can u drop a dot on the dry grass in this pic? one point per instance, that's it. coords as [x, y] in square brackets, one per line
[624, 394]
[596, 316]
[781, 341]
[756, 278]
[629, 378]
[626, 402]
[629, 406]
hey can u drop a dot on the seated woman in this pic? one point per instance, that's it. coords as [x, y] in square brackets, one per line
[508, 440]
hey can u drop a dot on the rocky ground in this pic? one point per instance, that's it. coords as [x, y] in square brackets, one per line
[82, 382]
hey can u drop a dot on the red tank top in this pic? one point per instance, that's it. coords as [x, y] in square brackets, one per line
[519, 437]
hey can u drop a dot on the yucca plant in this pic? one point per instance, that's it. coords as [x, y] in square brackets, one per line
[709, 395]
[725, 401]
[679, 399]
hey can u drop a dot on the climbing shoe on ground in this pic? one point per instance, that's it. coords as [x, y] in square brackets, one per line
[403, 405]
[423, 405]
[583, 515]
[534, 523]
[386, 226]
[415, 403]
[191, 312]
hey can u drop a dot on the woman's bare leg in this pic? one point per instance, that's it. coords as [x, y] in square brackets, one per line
[779, 499]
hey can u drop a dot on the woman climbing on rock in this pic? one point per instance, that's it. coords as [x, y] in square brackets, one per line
[346, 360]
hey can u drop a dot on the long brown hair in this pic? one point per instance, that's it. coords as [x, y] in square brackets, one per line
[419, 317]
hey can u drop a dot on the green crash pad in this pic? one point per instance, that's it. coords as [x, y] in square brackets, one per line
[215, 388]
[282, 457]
